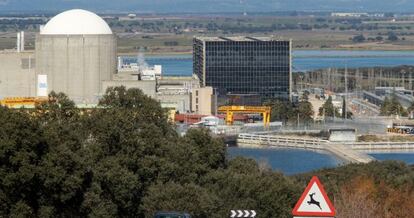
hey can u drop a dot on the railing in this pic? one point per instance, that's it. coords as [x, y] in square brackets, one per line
[343, 151]
[318, 143]
[282, 141]
[381, 145]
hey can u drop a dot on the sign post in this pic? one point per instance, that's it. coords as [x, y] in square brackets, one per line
[314, 202]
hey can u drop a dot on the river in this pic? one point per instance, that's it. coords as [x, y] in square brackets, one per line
[294, 161]
[303, 60]
[288, 161]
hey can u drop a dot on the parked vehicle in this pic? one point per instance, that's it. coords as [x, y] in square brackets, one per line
[171, 215]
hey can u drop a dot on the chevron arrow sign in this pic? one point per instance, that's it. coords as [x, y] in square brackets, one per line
[242, 213]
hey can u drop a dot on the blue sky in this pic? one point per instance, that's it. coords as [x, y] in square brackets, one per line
[208, 5]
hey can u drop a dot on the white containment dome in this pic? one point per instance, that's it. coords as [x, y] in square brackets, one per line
[76, 22]
[76, 50]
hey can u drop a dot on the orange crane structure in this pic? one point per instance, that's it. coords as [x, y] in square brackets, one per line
[230, 110]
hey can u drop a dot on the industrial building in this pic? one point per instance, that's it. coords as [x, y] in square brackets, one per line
[199, 102]
[244, 70]
[76, 53]
[17, 75]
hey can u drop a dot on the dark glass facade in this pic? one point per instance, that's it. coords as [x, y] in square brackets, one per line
[245, 67]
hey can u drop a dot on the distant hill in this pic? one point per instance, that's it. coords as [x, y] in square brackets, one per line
[200, 6]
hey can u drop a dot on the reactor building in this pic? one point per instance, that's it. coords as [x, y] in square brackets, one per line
[75, 51]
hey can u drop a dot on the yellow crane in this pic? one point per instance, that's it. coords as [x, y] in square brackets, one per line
[230, 110]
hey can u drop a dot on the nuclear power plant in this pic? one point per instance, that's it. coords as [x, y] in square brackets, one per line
[76, 53]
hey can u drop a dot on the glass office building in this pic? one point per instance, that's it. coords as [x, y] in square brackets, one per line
[244, 70]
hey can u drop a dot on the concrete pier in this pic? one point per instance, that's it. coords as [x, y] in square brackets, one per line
[344, 152]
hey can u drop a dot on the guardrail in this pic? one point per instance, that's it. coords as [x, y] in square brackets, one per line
[283, 141]
[381, 145]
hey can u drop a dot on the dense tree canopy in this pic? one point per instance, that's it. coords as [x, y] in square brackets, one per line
[122, 159]
[288, 112]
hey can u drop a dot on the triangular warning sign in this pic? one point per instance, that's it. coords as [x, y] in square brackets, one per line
[314, 201]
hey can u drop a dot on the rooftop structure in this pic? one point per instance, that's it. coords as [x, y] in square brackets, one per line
[236, 39]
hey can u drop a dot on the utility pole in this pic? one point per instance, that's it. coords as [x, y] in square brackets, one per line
[301, 82]
[324, 118]
[215, 102]
[298, 121]
[346, 91]
[403, 79]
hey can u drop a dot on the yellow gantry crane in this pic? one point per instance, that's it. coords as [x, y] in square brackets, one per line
[18, 102]
[230, 110]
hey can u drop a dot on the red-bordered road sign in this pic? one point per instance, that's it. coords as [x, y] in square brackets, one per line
[314, 201]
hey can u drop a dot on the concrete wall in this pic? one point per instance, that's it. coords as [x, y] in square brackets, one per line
[17, 74]
[201, 100]
[76, 64]
[173, 99]
[342, 135]
[180, 102]
[148, 86]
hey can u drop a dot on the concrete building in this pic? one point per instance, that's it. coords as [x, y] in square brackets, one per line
[202, 101]
[148, 87]
[244, 70]
[77, 51]
[17, 77]
[175, 92]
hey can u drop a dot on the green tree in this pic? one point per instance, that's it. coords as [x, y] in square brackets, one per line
[244, 185]
[281, 111]
[343, 108]
[305, 111]
[345, 113]
[190, 198]
[21, 149]
[358, 38]
[392, 36]
[385, 106]
[328, 109]
[305, 96]
[392, 106]
[411, 108]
